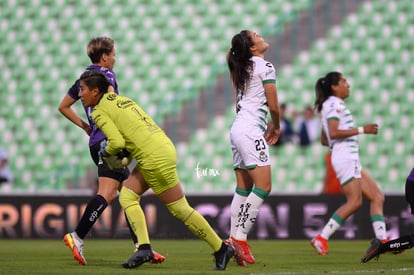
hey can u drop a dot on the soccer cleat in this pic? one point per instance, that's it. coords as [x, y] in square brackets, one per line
[139, 257]
[373, 251]
[237, 259]
[240, 261]
[223, 258]
[320, 244]
[158, 258]
[76, 246]
[243, 250]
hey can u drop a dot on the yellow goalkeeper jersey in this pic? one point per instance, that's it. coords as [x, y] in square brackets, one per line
[126, 125]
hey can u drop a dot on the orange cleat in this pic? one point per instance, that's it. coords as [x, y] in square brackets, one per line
[242, 251]
[320, 244]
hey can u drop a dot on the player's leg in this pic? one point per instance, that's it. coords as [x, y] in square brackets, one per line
[253, 168]
[261, 176]
[394, 246]
[160, 173]
[352, 192]
[109, 182]
[129, 201]
[244, 185]
[243, 189]
[348, 172]
[372, 192]
[106, 193]
[399, 244]
[177, 204]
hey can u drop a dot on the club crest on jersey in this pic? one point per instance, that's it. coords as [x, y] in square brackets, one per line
[111, 96]
[263, 157]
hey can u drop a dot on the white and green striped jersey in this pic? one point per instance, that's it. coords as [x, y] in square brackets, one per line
[335, 108]
[252, 107]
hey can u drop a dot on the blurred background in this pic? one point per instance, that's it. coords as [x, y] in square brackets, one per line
[171, 60]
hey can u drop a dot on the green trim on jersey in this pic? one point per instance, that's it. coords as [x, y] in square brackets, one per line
[261, 127]
[269, 81]
[263, 120]
[263, 111]
[333, 118]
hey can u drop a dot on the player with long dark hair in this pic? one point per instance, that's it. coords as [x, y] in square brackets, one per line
[340, 134]
[254, 80]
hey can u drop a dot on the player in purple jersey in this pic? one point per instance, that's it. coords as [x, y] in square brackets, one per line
[402, 243]
[101, 51]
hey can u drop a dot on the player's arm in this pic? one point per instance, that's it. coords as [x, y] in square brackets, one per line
[108, 127]
[272, 133]
[65, 108]
[336, 133]
[324, 138]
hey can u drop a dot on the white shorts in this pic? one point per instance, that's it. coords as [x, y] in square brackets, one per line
[249, 149]
[346, 169]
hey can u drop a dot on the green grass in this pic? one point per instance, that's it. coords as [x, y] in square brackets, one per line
[194, 257]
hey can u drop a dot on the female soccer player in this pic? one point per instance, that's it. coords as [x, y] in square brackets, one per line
[101, 51]
[340, 134]
[254, 80]
[129, 128]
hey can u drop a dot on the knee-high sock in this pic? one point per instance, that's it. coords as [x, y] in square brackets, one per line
[129, 201]
[131, 231]
[250, 212]
[195, 222]
[92, 212]
[236, 208]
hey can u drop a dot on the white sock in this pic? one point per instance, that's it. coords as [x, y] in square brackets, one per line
[379, 230]
[249, 215]
[236, 208]
[329, 229]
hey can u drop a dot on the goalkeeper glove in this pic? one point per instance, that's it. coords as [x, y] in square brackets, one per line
[117, 161]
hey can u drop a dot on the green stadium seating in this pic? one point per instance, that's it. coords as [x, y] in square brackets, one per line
[167, 52]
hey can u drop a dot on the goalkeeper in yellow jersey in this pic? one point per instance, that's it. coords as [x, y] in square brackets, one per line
[132, 133]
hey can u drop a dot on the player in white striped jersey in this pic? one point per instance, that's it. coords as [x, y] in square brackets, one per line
[340, 134]
[254, 80]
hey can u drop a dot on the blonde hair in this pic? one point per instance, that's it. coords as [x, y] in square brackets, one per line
[98, 46]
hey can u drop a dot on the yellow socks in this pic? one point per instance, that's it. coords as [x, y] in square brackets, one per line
[129, 201]
[195, 222]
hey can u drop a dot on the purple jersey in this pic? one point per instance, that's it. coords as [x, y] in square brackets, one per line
[96, 134]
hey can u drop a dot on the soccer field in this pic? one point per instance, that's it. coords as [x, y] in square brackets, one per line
[194, 257]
